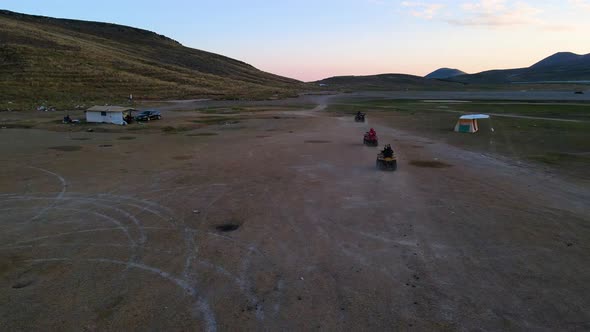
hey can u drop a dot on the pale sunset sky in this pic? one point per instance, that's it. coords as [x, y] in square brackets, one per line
[311, 40]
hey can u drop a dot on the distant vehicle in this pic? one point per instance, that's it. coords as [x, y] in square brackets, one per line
[360, 117]
[148, 115]
[579, 92]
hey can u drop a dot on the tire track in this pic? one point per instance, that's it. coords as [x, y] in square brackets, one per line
[116, 205]
[59, 196]
[64, 234]
[200, 304]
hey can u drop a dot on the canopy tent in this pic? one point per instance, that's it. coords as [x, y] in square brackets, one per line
[468, 123]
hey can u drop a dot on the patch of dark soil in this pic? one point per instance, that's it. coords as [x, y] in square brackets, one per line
[263, 136]
[101, 130]
[81, 138]
[429, 164]
[15, 126]
[317, 141]
[203, 134]
[176, 130]
[8, 264]
[23, 284]
[418, 146]
[216, 121]
[126, 138]
[105, 146]
[67, 148]
[182, 157]
[229, 227]
[110, 307]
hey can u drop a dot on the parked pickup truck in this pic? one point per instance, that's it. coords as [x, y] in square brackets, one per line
[148, 115]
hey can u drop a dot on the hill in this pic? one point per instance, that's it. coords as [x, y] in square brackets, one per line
[560, 67]
[71, 61]
[444, 73]
[384, 82]
[563, 59]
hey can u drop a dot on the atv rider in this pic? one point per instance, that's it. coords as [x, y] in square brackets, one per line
[372, 132]
[387, 152]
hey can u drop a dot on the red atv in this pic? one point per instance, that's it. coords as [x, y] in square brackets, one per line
[371, 138]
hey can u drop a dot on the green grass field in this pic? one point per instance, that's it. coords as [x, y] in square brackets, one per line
[570, 111]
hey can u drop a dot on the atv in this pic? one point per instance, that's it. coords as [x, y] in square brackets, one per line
[360, 117]
[371, 139]
[386, 159]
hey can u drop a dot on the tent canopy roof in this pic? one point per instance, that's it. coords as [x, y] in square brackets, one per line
[475, 117]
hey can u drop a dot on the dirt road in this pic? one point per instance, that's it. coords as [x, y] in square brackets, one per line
[283, 224]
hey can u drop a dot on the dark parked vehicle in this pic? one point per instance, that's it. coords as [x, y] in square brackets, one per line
[148, 115]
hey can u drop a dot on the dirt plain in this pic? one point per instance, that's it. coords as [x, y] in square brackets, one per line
[276, 219]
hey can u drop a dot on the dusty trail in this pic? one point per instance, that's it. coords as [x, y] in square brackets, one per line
[324, 240]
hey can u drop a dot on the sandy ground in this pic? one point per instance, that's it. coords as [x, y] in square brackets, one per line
[104, 233]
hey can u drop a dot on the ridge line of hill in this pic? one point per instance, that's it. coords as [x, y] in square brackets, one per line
[69, 62]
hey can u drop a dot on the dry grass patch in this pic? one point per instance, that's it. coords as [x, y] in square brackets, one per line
[66, 148]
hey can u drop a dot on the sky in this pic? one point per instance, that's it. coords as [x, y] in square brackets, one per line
[310, 40]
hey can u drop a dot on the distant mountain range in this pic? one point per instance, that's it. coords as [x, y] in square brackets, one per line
[385, 82]
[561, 67]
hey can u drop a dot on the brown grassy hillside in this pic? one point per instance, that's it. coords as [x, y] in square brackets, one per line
[58, 61]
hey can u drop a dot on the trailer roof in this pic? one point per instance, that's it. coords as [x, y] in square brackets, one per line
[113, 109]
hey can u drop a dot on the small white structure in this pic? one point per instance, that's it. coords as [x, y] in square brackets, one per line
[108, 114]
[468, 123]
